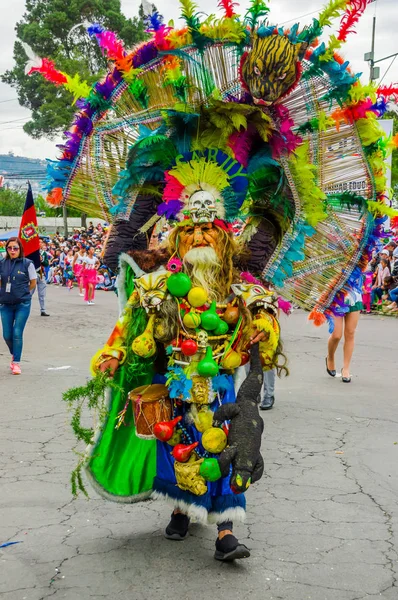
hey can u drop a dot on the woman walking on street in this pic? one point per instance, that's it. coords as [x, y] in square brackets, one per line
[90, 266]
[347, 325]
[18, 279]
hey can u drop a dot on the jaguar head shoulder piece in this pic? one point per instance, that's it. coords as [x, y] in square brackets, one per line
[255, 296]
[152, 289]
[272, 67]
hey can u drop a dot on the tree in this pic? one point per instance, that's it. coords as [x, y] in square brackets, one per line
[46, 28]
[12, 203]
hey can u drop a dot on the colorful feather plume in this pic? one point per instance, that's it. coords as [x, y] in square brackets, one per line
[107, 41]
[354, 11]
[190, 14]
[388, 91]
[49, 72]
[229, 8]
[257, 9]
[331, 11]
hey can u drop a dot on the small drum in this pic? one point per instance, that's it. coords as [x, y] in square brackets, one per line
[151, 404]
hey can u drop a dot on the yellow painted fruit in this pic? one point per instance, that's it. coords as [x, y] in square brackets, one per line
[144, 345]
[204, 420]
[231, 361]
[197, 296]
[214, 440]
[191, 320]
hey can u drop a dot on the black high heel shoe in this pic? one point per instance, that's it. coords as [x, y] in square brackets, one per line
[331, 372]
[345, 379]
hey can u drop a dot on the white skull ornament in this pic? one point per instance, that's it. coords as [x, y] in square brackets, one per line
[202, 207]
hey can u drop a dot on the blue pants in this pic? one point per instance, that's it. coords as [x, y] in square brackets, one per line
[269, 384]
[13, 319]
[393, 295]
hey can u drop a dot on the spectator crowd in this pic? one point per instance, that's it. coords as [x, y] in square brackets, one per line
[380, 285]
[76, 261]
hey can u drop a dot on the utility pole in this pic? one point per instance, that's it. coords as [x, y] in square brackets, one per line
[370, 56]
[65, 216]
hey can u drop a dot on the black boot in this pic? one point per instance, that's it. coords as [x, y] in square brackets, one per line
[177, 529]
[229, 548]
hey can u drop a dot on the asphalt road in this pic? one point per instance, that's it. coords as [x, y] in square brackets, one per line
[322, 524]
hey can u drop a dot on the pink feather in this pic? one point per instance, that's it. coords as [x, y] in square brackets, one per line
[284, 305]
[249, 278]
[109, 42]
[240, 143]
[228, 6]
[172, 189]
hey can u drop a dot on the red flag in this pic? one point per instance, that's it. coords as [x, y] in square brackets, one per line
[28, 230]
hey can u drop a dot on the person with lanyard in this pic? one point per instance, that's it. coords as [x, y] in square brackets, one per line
[17, 281]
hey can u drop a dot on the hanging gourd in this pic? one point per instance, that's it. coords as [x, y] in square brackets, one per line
[179, 284]
[222, 328]
[232, 360]
[144, 345]
[197, 296]
[210, 469]
[209, 319]
[214, 440]
[208, 367]
[164, 430]
[191, 320]
[182, 452]
[231, 314]
[189, 347]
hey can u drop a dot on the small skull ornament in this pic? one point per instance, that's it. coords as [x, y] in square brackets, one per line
[202, 207]
[202, 338]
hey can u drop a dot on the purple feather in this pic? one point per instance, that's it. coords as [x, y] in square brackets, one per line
[145, 54]
[84, 124]
[170, 209]
[105, 88]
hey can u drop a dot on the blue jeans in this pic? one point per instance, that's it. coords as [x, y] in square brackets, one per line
[393, 295]
[269, 384]
[13, 319]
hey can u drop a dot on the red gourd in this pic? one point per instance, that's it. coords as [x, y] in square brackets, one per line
[182, 452]
[164, 430]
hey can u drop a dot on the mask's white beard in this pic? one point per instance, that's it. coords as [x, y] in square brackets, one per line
[203, 267]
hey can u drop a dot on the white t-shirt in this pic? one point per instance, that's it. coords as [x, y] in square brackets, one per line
[90, 262]
[32, 272]
[80, 258]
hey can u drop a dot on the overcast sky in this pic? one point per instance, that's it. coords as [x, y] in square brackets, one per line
[12, 116]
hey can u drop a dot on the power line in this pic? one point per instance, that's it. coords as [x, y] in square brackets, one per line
[15, 120]
[11, 100]
[391, 64]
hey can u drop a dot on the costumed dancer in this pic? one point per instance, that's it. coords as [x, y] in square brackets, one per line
[229, 121]
[186, 328]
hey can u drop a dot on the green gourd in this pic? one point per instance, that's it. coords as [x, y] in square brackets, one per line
[222, 328]
[179, 284]
[210, 469]
[208, 367]
[209, 319]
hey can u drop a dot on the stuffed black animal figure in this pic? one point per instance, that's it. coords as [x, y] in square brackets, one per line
[246, 428]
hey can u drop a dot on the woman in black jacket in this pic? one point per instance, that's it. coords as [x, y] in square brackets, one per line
[17, 279]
